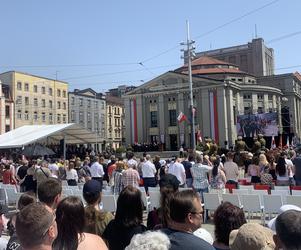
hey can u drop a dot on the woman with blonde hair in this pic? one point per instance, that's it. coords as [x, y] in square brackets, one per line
[263, 162]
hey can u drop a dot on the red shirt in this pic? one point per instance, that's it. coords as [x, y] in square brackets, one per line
[6, 176]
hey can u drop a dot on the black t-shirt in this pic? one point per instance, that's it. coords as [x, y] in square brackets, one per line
[187, 165]
[181, 240]
[14, 243]
[119, 236]
[22, 171]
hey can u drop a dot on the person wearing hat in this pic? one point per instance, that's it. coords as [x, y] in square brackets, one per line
[159, 217]
[251, 236]
[96, 220]
[3, 211]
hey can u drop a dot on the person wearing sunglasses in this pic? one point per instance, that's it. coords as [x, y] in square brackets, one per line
[36, 227]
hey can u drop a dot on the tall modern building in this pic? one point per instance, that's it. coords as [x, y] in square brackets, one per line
[254, 57]
[37, 100]
[88, 108]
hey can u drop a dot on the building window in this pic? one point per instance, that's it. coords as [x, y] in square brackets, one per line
[26, 87]
[7, 112]
[88, 103]
[260, 96]
[19, 115]
[172, 117]
[19, 100]
[89, 117]
[64, 106]
[7, 128]
[81, 117]
[58, 118]
[64, 93]
[234, 114]
[50, 91]
[19, 86]
[35, 102]
[110, 110]
[43, 103]
[58, 93]
[154, 121]
[260, 110]
[102, 105]
[247, 110]
[81, 101]
[35, 116]
[50, 118]
[72, 115]
[72, 100]
[35, 88]
[26, 100]
[43, 90]
[43, 117]
[64, 118]
[50, 104]
[26, 116]
[58, 105]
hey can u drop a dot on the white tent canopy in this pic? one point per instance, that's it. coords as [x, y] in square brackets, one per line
[71, 132]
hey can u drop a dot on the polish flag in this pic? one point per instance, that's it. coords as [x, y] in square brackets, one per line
[181, 117]
[273, 144]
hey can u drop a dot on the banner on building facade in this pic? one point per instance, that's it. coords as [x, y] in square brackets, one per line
[253, 124]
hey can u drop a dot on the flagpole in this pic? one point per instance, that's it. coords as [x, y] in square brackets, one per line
[189, 43]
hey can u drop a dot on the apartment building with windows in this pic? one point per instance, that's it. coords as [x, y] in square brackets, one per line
[37, 100]
[6, 109]
[115, 121]
[88, 108]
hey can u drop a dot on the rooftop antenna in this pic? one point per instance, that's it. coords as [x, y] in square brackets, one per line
[255, 30]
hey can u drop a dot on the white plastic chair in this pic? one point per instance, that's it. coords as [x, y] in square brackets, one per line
[108, 203]
[67, 192]
[12, 196]
[153, 189]
[294, 200]
[283, 194]
[232, 198]
[282, 188]
[240, 192]
[271, 204]
[261, 193]
[154, 199]
[296, 192]
[249, 187]
[251, 203]
[211, 203]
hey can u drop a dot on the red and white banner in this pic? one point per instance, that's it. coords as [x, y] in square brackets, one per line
[273, 144]
[134, 121]
[213, 115]
[181, 117]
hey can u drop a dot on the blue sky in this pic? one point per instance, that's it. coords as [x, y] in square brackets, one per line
[99, 44]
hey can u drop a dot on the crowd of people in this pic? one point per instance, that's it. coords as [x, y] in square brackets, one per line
[47, 220]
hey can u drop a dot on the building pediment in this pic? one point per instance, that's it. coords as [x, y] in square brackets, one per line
[171, 81]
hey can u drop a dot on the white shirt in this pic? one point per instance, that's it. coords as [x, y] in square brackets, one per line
[148, 169]
[132, 162]
[96, 170]
[178, 170]
[71, 175]
[3, 243]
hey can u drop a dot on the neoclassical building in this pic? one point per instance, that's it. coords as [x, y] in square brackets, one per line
[221, 92]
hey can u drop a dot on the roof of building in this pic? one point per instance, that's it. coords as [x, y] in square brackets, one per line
[24, 73]
[216, 71]
[28, 134]
[114, 100]
[298, 75]
[207, 65]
